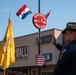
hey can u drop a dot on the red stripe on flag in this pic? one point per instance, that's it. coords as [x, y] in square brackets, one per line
[46, 16]
[21, 9]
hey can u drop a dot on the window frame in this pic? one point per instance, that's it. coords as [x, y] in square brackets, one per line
[44, 39]
[21, 51]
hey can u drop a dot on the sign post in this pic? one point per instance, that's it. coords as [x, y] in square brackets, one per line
[39, 21]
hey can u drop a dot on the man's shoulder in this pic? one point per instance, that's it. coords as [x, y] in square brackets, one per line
[71, 47]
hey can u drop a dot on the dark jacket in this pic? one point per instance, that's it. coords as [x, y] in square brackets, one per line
[66, 64]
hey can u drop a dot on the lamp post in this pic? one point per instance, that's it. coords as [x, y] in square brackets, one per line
[39, 67]
[39, 22]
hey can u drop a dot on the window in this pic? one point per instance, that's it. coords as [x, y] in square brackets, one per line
[48, 56]
[44, 39]
[22, 51]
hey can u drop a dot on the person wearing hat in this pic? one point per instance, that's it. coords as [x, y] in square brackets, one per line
[66, 64]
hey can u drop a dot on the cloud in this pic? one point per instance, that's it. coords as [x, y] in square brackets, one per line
[6, 10]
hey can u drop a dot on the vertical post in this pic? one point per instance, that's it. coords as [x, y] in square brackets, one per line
[38, 30]
[38, 6]
[39, 68]
[38, 41]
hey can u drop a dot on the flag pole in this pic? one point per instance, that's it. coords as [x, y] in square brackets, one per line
[9, 15]
[39, 67]
[4, 72]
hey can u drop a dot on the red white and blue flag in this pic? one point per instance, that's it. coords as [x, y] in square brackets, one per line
[23, 12]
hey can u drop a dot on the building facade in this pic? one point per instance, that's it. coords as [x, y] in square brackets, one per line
[26, 52]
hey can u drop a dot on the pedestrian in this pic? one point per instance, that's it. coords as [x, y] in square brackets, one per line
[66, 64]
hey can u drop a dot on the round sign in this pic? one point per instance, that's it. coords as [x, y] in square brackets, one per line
[39, 20]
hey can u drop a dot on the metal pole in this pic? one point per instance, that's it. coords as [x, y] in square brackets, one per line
[38, 30]
[38, 41]
[39, 68]
[39, 6]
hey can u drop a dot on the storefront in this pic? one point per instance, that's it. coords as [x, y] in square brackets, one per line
[27, 51]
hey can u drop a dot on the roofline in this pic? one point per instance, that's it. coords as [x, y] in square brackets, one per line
[37, 32]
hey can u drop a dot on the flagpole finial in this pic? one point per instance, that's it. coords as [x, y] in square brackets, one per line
[9, 15]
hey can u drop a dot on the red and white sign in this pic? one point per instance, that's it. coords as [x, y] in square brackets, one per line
[39, 20]
[40, 60]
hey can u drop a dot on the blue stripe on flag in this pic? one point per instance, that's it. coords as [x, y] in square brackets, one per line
[25, 14]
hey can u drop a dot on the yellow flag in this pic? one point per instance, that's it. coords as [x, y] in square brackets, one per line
[7, 48]
[1, 56]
